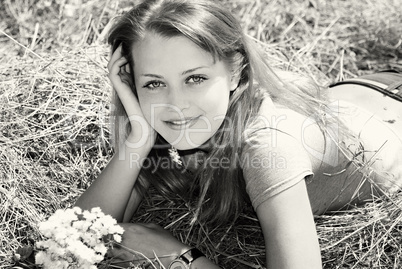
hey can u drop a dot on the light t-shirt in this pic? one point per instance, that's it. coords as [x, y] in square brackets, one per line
[272, 161]
[283, 147]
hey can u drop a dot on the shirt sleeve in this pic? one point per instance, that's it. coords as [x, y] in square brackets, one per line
[272, 161]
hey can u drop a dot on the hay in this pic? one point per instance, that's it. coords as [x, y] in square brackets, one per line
[54, 136]
[54, 123]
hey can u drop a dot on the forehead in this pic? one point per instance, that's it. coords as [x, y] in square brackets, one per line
[155, 51]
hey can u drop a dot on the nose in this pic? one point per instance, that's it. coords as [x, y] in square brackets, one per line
[179, 99]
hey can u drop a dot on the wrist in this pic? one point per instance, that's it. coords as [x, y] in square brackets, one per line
[140, 140]
[135, 141]
[186, 259]
[140, 130]
[136, 153]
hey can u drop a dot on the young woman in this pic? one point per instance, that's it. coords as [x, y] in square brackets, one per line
[210, 121]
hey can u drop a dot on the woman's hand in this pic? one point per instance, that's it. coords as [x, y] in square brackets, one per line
[122, 81]
[150, 240]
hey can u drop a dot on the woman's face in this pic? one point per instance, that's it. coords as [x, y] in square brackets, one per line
[183, 91]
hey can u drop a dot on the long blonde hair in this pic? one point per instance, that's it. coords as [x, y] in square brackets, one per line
[217, 194]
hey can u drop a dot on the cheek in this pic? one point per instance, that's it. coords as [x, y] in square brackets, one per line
[153, 109]
[145, 106]
[218, 100]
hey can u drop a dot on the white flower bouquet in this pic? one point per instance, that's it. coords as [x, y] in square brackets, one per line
[76, 239]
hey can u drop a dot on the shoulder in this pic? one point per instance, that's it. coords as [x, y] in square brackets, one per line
[272, 159]
[282, 130]
[273, 153]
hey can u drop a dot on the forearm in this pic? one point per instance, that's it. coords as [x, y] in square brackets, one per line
[203, 263]
[289, 230]
[112, 189]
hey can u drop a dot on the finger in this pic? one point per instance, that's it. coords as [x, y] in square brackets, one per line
[152, 226]
[117, 252]
[126, 78]
[121, 254]
[117, 64]
[123, 70]
[116, 54]
[127, 67]
[121, 81]
[115, 57]
[115, 68]
[110, 53]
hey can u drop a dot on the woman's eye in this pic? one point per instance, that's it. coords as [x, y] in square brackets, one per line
[196, 79]
[153, 85]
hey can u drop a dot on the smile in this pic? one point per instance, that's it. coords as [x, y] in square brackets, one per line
[182, 124]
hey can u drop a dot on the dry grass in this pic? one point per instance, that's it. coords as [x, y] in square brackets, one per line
[54, 136]
[54, 105]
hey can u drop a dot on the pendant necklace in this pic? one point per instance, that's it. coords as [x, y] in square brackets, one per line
[174, 155]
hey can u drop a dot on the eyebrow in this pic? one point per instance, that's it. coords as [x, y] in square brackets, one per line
[184, 73]
[151, 75]
[193, 69]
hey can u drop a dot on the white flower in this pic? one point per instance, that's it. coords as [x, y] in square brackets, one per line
[100, 248]
[88, 216]
[116, 229]
[97, 211]
[117, 238]
[90, 239]
[75, 238]
[77, 210]
[40, 257]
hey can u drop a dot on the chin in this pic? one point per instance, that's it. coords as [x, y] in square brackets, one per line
[186, 144]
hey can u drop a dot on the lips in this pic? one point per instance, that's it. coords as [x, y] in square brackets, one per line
[182, 123]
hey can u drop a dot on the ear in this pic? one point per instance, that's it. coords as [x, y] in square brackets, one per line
[234, 81]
